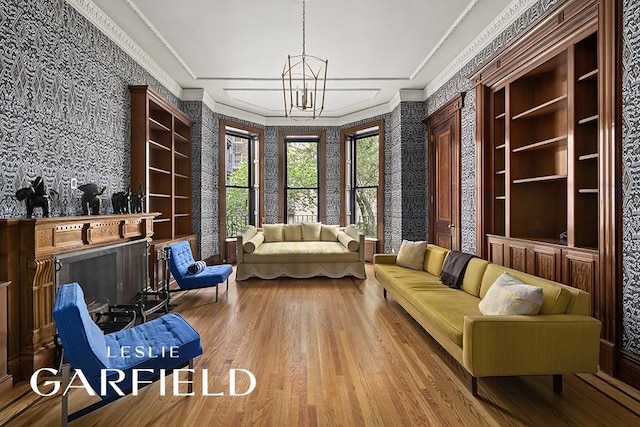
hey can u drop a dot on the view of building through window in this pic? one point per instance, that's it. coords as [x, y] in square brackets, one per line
[241, 178]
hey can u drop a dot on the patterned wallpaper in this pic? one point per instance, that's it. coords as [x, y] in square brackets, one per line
[64, 104]
[631, 176]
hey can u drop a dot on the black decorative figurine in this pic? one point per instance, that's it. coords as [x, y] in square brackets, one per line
[136, 201]
[121, 201]
[90, 200]
[36, 196]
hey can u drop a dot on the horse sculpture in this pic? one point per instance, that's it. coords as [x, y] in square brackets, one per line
[37, 195]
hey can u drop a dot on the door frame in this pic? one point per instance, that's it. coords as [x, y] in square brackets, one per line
[450, 111]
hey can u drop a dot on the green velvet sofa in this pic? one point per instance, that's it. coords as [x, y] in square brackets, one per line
[300, 251]
[562, 339]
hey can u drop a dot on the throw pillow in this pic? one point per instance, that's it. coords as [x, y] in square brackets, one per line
[196, 267]
[508, 295]
[292, 232]
[253, 243]
[273, 232]
[348, 241]
[328, 233]
[311, 231]
[411, 254]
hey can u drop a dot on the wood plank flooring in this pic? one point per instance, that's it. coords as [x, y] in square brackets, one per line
[331, 353]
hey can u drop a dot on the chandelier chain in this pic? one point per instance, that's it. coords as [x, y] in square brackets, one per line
[303, 26]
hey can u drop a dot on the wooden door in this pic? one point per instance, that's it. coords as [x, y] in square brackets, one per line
[443, 136]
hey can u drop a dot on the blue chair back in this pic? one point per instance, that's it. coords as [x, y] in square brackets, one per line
[180, 259]
[83, 341]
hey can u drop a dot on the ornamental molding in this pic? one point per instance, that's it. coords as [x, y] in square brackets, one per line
[97, 17]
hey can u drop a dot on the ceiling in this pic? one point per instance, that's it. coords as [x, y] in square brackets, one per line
[235, 50]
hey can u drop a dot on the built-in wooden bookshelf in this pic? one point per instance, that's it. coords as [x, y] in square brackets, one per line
[161, 163]
[547, 158]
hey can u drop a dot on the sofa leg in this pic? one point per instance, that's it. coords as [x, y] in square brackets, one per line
[384, 293]
[557, 383]
[473, 385]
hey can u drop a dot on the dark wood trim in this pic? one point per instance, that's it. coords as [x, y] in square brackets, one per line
[452, 109]
[483, 133]
[322, 170]
[628, 368]
[381, 165]
[222, 190]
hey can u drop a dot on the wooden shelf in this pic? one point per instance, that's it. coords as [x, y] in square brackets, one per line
[540, 144]
[588, 119]
[589, 156]
[154, 124]
[501, 116]
[501, 172]
[162, 220]
[180, 137]
[163, 171]
[551, 106]
[501, 198]
[588, 191]
[501, 146]
[160, 195]
[589, 75]
[179, 154]
[157, 145]
[181, 215]
[539, 179]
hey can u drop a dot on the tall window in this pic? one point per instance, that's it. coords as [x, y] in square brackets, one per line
[363, 198]
[302, 189]
[242, 178]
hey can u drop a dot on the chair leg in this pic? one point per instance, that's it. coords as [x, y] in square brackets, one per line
[384, 293]
[557, 383]
[216, 292]
[190, 377]
[66, 374]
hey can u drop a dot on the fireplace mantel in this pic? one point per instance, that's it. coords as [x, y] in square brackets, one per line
[27, 251]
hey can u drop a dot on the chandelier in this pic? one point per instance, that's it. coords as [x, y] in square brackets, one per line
[303, 82]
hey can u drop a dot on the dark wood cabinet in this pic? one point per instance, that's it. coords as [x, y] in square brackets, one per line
[6, 380]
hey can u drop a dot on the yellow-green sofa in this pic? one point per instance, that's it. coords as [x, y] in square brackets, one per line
[300, 251]
[562, 339]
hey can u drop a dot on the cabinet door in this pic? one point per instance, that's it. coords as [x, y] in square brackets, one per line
[517, 256]
[495, 250]
[544, 261]
[580, 270]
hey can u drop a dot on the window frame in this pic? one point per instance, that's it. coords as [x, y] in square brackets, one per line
[346, 137]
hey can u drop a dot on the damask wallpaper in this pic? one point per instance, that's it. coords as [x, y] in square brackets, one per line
[64, 104]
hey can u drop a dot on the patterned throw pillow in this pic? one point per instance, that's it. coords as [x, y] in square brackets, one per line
[197, 267]
[411, 254]
[508, 295]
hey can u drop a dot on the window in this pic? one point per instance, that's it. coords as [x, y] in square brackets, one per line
[241, 180]
[363, 171]
[302, 189]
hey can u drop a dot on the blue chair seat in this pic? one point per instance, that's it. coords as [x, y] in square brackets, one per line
[179, 258]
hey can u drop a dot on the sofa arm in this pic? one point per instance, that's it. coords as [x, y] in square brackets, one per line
[384, 258]
[530, 345]
[352, 231]
[241, 239]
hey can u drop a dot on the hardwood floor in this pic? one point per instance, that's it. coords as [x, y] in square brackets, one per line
[332, 353]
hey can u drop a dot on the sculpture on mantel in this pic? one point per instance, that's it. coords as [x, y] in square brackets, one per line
[121, 201]
[37, 195]
[91, 203]
[137, 201]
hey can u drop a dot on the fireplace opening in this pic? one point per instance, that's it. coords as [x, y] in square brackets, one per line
[111, 275]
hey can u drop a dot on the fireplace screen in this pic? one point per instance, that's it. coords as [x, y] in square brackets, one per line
[108, 275]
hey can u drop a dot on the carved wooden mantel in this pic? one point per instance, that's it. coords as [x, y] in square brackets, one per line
[27, 252]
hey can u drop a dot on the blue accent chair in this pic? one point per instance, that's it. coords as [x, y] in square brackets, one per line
[88, 349]
[179, 258]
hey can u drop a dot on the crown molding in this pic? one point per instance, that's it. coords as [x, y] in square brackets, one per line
[198, 94]
[97, 17]
[507, 17]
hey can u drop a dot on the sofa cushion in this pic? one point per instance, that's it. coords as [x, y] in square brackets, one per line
[555, 298]
[445, 309]
[292, 232]
[328, 233]
[509, 296]
[473, 276]
[348, 241]
[433, 259]
[253, 243]
[273, 232]
[311, 231]
[411, 254]
[405, 281]
[301, 252]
